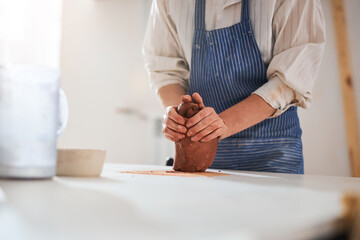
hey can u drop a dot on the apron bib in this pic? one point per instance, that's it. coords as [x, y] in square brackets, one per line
[226, 67]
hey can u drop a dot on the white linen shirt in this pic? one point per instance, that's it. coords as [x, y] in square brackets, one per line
[290, 35]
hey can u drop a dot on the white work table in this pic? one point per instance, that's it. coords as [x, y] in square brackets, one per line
[243, 205]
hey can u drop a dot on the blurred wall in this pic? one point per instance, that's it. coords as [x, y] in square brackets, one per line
[30, 31]
[103, 71]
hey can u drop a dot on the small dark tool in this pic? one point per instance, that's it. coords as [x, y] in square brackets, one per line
[169, 161]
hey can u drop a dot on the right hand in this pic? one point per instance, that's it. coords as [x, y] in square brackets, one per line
[173, 125]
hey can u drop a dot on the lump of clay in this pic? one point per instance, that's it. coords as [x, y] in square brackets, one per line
[187, 110]
[193, 156]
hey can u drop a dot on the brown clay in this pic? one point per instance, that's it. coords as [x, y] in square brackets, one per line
[193, 156]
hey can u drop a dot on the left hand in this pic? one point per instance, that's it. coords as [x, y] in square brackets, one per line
[206, 125]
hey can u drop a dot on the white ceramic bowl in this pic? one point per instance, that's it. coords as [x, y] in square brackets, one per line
[80, 162]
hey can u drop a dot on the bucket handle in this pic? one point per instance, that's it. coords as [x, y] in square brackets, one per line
[63, 112]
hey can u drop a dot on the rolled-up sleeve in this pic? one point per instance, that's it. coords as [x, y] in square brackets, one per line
[162, 52]
[299, 41]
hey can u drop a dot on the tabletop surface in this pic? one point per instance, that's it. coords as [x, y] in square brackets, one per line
[241, 205]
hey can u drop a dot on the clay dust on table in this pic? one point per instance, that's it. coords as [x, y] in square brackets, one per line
[177, 173]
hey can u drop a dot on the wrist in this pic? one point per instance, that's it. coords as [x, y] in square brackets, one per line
[227, 131]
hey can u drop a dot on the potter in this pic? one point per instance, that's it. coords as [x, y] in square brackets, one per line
[248, 69]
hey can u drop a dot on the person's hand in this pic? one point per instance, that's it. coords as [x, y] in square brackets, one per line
[206, 125]
[173, 125]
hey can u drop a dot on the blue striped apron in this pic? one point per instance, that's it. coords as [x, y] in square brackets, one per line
[226, 67]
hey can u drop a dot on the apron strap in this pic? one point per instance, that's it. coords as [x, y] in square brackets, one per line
[200, 14]
[245, 10]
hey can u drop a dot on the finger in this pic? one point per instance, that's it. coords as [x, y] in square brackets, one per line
[199, 116]
[169, 133]
[174, 126]
[198, 99]
[202, 124]
[186, 98]
[173, 115]
[171, 138]
[215, 134]
[206, 131]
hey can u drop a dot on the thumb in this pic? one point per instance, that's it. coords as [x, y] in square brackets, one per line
[186, 98]
[198, 99]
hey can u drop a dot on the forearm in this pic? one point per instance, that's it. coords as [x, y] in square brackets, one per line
[170, 95]
[245, 114]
